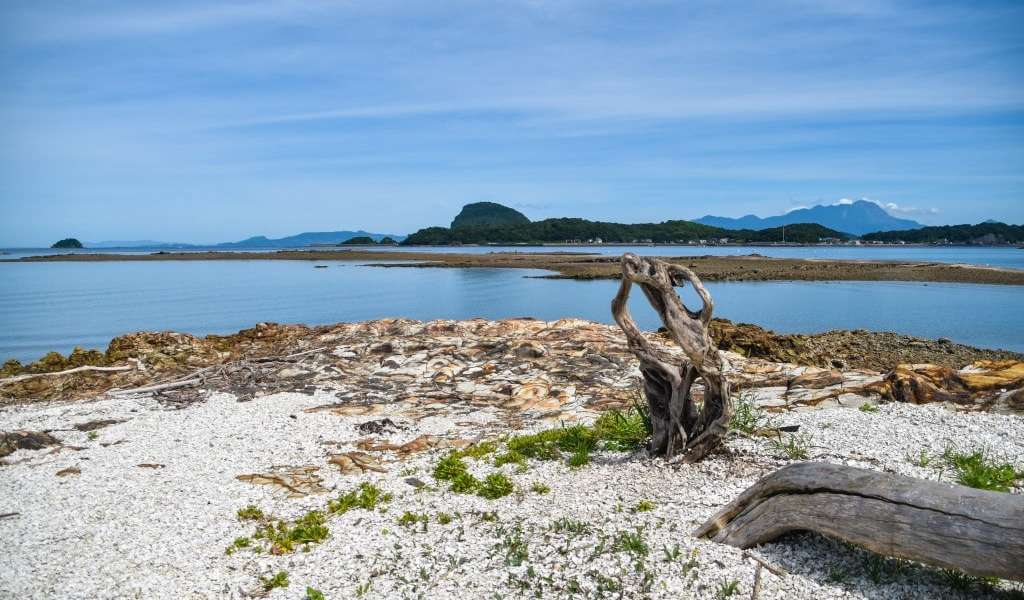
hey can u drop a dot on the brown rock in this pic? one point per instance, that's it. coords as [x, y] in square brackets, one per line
[69, 471]
[356, 463]
[98, 424]
[296, 481]
[25, 440]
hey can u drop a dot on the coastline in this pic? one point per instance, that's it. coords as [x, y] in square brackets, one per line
[293, 419]
[584, 266]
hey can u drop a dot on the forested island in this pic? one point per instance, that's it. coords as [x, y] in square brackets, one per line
[68, 243]
[982, 233]
[489, 223]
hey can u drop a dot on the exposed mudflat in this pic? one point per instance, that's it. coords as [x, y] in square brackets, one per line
[593, 266]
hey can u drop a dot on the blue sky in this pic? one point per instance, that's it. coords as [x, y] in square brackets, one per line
[203, 122]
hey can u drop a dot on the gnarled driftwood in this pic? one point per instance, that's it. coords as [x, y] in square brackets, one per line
[975, 531]
[679, 425]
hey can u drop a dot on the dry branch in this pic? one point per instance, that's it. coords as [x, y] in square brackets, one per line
[136, 364]
[679, 425]
[974, 531]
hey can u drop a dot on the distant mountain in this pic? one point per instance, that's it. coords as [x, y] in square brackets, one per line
[582, 230]
[488, 214]
[989, 232]
[856, 218]
[307, 239]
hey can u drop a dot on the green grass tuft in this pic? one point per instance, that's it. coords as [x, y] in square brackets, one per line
[279, 580]
[540, 488]
[643, 506]
[250, 513]
[366, 497]
[867, 407]
[450, 467]
[314, 594]
[284, 537]
[495, 486]
[978, 471]
[747, 416]
[633, 543]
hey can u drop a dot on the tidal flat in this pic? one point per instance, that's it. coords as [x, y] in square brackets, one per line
[586, 266]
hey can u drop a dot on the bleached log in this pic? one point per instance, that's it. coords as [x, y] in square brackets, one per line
[974, 531]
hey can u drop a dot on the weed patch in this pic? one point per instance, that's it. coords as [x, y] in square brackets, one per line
[976, 470]
[367, 497]
[279, 580]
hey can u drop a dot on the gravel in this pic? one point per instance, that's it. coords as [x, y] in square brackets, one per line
[119, 530]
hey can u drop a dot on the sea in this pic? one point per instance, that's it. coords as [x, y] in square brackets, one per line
[48, 306]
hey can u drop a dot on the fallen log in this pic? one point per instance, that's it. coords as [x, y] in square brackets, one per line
[974, 531]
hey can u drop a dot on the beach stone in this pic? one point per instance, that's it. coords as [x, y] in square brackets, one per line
[295, 481]
[25, 440]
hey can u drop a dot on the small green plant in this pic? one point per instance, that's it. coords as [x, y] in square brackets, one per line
[444, 518]
[250, 513]
[92, 435]
[672, 555]
[464, 483]
[490, 516]
[976, 470]
[515, 548]
[963, 582]
[567, 525]
[279, 580]
[479, 450]
[238, 544]
[643, 506]
[868, 407]
[450, 467]
[692, 563]
[623, 431]
[921, 459]
[411, 520]
[633, 543]
[494, 486]
[362, 589]
[838, 575]
[283, 537]
[540, 488]
[727, 589]
[367, 497]
[314, 594]
[794, 447]
[747, 416]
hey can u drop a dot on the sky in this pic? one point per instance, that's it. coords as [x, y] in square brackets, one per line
[206, 122]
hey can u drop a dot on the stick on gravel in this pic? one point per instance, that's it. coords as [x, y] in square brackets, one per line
[974, 531]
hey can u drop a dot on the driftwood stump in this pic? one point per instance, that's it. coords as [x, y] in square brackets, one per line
[680, 425]
[974, 531]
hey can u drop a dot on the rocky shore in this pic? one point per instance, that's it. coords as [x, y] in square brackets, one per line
[159, 477]
[569, 265]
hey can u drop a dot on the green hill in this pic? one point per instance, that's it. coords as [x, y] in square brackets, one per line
[982, 233]
[582, 230]
[488, 214]
[68, 243]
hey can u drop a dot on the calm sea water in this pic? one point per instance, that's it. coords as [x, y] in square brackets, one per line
[1006, 257]
[56, 306]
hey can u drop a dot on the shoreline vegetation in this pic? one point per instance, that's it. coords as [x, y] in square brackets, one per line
[587, 266]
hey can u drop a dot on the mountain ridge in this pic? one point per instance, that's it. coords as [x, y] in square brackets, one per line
[856, 218]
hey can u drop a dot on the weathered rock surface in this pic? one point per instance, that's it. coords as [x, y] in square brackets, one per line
[559, 370]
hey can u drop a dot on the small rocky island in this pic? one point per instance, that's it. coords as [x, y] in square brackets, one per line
[68, 243]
